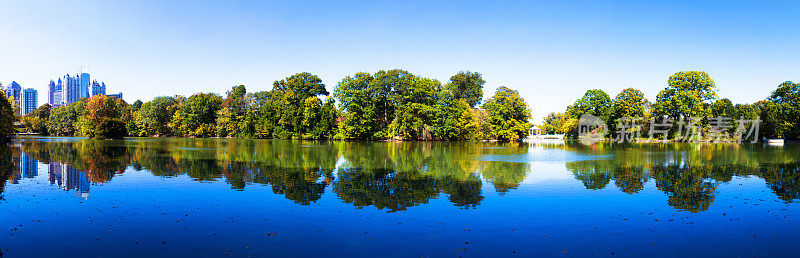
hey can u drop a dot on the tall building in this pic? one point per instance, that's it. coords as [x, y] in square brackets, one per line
[72, 91]
[54, 93]
[98, 88]
[84, 81]
[30, 101]
[62, 97]
[14, 90]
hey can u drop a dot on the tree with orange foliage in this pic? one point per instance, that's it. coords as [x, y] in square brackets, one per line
[102, 118]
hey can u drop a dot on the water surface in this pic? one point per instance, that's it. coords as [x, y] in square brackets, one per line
[217, 197]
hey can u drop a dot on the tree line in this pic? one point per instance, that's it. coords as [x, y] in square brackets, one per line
[689, 94]
[389, 104]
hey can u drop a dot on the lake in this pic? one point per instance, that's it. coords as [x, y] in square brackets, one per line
[218, 197]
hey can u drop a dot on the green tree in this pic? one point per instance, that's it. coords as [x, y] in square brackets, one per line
[226, 123]
[630, 103]
[594, 102]
[266, 108]
[467, 86]
[7, 117]
[360, 118]
[774, 123]
[746, 111]
[64, 121]
[329, 119]
[786, 110]
[37, 120]
[389, 90]
[508, 115]
[15, 108]
[553, 123]
[312, 114]
[198, 115]
[236, 117]
[723, 108]
[286, 103]
[154, 116]
[415, 107]
[453, 119]
[688, 94]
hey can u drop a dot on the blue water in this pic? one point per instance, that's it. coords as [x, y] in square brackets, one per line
[407, 199]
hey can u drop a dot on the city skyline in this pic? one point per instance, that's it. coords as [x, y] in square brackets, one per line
[68, 89]
[60, 92]
[550, 52]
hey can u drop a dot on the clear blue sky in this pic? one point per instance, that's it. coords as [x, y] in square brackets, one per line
[550, 51]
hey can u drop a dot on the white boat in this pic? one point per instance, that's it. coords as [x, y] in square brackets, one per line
[775, 141]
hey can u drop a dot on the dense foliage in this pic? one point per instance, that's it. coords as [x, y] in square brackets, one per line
[6, 116]
[690, 94]
[781, 111]
[36, 122]
[64, 120]
[389, 104]
[396, 104]
[508, 115]
[102, 118]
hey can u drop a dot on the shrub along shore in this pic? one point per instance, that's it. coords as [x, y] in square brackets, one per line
[398, 105]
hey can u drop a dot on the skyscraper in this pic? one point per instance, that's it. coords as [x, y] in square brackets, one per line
[30, 101]
[54, 93]
[98, 88]
[62, 98]
[71, 91]
[14, 90]
[84, 81]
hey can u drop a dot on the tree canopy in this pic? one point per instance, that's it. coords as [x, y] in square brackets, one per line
[508, 114]
[467, 86]
[7, 117]
[688, 94]
[101, 118]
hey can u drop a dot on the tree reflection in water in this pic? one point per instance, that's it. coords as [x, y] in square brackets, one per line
[7, 168]
[688, 173]
[391, 176]
[395, 176]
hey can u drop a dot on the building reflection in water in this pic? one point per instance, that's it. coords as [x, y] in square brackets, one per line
[30, 166]
[69, 178]
[65, 176]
